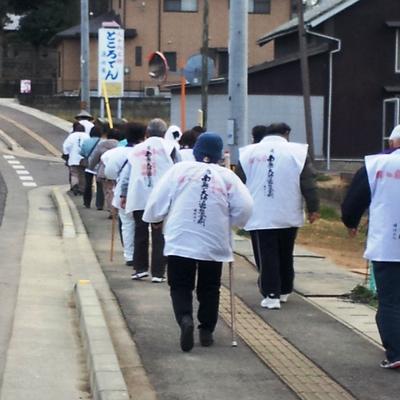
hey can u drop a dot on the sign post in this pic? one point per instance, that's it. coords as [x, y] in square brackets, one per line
[111, 61]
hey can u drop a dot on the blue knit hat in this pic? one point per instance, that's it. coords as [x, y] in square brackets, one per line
[209, 145]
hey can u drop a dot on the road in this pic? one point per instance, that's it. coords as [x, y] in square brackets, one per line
[300, 352]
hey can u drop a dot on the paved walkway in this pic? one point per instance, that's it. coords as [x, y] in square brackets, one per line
[324, 283]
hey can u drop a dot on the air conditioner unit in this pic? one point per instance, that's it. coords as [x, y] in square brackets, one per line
[151, 91]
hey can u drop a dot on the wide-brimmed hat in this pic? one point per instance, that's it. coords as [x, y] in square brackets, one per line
[83, 114]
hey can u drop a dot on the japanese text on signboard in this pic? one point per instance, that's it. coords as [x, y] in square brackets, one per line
[111, 61]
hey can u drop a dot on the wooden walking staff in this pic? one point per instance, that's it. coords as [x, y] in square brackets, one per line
[113, 225]
[111, 125]
[233, 305]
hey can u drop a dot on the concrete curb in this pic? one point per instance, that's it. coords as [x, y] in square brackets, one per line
[8, 141]
[14, 148]
[56, 121]
[64, 214]
[106, 380]
[113, 362]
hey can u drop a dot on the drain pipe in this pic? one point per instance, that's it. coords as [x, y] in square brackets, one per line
[337, 50]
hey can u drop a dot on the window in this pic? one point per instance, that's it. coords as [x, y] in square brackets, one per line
[257, 6]
[171, 60]
[180, 5]
[397, 60]
[59, 64]
[223, 62]
[138, 56]
[260, 6]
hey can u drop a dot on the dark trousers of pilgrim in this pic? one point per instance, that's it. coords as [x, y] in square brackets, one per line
[88, 193]
[273, 252]
[181, 279]
[141, 246]
[387, 277]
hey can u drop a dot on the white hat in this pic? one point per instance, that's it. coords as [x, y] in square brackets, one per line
[173, 133]
[83, 114]
[395, 133]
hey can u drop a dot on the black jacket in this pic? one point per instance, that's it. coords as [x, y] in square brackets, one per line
[357, 199]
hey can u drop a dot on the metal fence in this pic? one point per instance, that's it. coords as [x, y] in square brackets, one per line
[12, 88]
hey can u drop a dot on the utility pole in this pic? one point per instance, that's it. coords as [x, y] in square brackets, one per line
[238, 61]
[85, 79]
[305, 79]
[204, 66]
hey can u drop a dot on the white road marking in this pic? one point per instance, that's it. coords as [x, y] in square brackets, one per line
[22, 173]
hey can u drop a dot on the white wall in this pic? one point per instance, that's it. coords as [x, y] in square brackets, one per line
[262, 109]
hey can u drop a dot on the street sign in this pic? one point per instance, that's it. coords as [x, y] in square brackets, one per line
[111, 61]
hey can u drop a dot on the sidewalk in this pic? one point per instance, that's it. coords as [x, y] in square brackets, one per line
[323, 283]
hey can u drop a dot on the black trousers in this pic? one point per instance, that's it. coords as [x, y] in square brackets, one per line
[181, 279]
[87, 194]
[387, 277]
[273, 251]
[141, 246]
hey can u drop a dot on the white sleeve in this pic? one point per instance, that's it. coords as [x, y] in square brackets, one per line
[159, 202]
[240, 202]
[67, 145]
[112, 164]
[124, 179]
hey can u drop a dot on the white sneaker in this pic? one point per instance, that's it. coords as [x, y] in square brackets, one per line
[137, 276]
[284, 298]
[156, 279]
[271, 304]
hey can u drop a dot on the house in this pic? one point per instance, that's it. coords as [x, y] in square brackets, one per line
[354, 59]
[173, 27]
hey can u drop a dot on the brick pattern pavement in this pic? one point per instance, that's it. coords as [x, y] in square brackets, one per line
[305, 378]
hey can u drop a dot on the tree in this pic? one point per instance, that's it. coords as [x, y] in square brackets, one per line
[5, 8]
[44, 18]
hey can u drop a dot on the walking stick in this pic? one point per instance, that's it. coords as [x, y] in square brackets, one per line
[112, 233]
[233, 308]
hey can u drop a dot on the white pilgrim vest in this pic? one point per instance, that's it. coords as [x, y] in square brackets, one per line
[114, 161]
[383, 243]
[202, 202]
[187, 154]
[149, 161]
[273, 169]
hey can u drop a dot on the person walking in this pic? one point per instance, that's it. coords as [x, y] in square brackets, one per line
[110, 141]
[88, 146]
[86, 120]
[72, 147]
[187, 142]
[200, 202]
[377, 186]
[148, 162]
[278, 175]
[115, 162]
